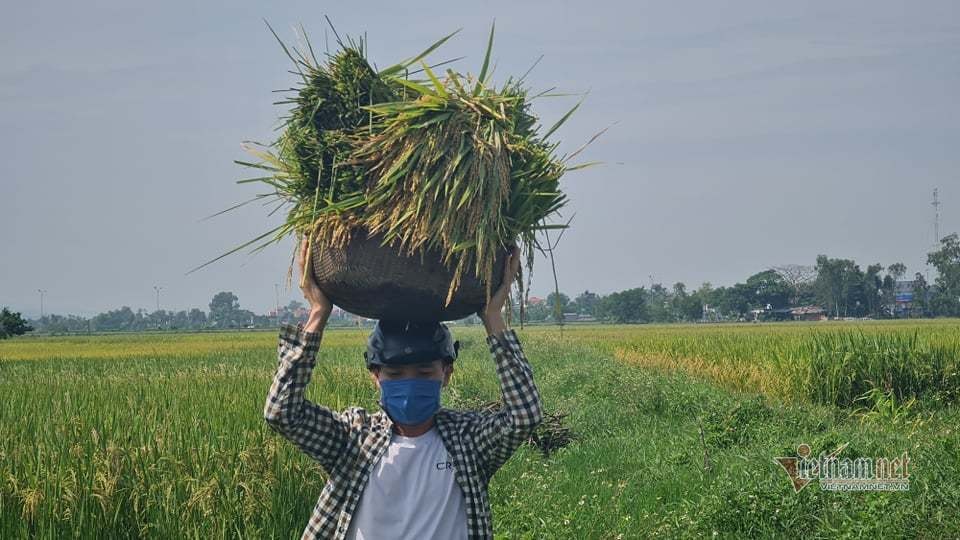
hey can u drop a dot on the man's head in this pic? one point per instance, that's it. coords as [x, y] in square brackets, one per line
[409, 362]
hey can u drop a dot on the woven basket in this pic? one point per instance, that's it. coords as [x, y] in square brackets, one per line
[379, 282]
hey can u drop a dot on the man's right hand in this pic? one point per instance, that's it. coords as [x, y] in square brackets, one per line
[491, 314]
[320, 305]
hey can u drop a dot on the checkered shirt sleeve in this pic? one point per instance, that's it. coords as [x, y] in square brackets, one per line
[319, 432]
[502, 431]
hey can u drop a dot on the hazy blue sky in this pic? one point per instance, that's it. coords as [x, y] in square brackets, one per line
[748, 134]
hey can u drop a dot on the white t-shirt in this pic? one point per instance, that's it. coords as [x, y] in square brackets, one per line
[411, 493]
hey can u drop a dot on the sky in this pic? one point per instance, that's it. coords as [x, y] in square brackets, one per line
[743, 135]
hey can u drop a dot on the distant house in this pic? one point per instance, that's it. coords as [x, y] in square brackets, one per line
[780, 314]
[577, 317]
[800, 313]
[535, 301]
[808, 313]
[710, 313]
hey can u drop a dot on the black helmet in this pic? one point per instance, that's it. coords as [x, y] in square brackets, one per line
[409, 342]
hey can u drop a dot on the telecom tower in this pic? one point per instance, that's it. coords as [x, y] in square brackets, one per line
[936, 227]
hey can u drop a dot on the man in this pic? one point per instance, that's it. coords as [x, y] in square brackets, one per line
[413, 469]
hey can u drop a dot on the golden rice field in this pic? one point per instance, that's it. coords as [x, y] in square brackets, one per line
[161, 435]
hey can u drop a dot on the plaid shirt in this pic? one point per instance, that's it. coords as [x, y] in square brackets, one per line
[349, 444]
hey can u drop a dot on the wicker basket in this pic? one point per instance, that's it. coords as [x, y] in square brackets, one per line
[379, 282]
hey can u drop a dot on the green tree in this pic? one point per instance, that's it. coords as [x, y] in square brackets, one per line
[921, 295]
[586, 303]
[888, 286]
[691, 308]
[117, 319]
[897, 270]
[707, 296]
[946, 298]
[12, 324]
[58, 324]
[769, 289]
[225, 310]
[659, 304]
[839, 284]
[871, 290]
[624, 306]
[735, 301]
[686, 306]
[196, 318]
[557, 304]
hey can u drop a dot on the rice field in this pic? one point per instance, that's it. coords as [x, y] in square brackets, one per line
[161, 435]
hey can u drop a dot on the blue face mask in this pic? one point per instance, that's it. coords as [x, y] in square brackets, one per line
[410, 401]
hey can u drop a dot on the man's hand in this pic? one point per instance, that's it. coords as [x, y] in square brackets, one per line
[491, 312]
[320, 305]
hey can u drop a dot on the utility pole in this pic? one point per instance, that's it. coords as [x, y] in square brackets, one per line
[936, 217]
[42, 292]
[160, 321]
[276, 292]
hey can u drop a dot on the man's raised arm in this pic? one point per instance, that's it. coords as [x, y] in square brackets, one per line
[321, 433]
[500, 433]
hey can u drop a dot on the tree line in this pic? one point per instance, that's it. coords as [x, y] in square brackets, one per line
[839, 286]
[224, 313]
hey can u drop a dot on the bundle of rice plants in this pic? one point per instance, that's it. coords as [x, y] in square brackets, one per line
[455, 165]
